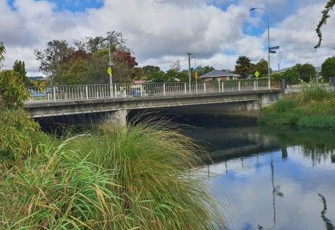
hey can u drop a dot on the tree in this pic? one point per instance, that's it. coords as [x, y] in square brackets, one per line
[325, 15]
[52, 57]
[87, 61]
[203, 70]
[74, 68]
[261, 67]
[12, 90]
[291, 76]
[243, 66]
[328, 68]
[123, 66]
[20, 68]
[306, 71]
[2, 51]
[147, 71]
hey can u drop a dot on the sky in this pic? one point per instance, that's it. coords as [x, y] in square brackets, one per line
[162, 32]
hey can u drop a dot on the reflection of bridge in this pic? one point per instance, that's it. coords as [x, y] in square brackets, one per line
[118, 98]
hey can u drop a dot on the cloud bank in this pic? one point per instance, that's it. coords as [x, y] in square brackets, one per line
[160, 32]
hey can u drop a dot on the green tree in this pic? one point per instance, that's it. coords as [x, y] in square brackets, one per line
[52, 58]
[13, 93]
[325, 15]
[328, 68]
[243, 66]
[20, 68]
[2, 51]
[97, 68]
[261, 67]
[277, 76]
[291, 76]
[73, 72]
[203, 70]
[306, 71]
[148, 71]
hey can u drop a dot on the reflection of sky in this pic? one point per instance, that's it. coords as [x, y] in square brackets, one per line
[247, 185]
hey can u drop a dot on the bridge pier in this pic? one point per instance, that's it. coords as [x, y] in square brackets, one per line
[116, 118]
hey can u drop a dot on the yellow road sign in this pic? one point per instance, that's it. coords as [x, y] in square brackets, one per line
[256, 74]
[109, 71]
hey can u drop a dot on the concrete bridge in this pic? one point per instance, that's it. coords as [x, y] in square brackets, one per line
[118, 99]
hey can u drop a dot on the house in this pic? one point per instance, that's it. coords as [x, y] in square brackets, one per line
[219, 75]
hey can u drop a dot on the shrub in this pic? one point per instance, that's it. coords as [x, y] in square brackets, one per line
[18, 135]
[135, 177]
[12, 90]
[315, 91]
[285, 104]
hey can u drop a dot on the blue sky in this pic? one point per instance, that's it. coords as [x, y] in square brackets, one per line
[161, 32]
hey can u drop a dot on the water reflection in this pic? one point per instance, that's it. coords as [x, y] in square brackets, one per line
[328, 223]
[274, 177]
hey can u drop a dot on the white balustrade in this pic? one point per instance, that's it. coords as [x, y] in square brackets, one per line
[89, 92]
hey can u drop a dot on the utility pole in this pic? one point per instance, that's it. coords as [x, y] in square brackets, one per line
[189, 67]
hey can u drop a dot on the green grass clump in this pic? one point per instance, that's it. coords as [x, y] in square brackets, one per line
[132, 177]
[313, 107]
[152, 163]
[285, 104]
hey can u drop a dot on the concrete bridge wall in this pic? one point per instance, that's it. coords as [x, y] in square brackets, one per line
[246, 103]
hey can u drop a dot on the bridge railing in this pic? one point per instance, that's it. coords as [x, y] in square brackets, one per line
[87, 92]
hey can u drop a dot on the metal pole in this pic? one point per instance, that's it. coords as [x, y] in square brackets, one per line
[268, 20]
[189, 67]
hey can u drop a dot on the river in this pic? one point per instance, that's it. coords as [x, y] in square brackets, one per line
[270, 178]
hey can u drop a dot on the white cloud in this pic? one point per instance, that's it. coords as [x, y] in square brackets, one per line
[160, 32]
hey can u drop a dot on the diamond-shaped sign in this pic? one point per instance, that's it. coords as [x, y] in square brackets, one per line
[109, 71]
[256, 74]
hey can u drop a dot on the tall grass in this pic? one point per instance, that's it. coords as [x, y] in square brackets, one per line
[133, 177]
[313, 107]
[152, 163]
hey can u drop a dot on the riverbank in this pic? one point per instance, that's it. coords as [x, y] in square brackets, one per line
[313, 107]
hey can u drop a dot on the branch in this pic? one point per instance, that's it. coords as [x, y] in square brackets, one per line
[325, 15]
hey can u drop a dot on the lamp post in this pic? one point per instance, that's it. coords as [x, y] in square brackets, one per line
[267, 16]
[110, 64]
[110, 70]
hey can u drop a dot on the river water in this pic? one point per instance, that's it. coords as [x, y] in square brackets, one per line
[270, 178]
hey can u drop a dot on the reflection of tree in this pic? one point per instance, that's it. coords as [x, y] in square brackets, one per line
[328, 223]
[317, 145]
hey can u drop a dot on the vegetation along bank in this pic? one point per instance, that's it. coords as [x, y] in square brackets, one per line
[313, 107]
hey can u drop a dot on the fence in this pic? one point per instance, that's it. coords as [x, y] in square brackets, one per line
[86, 92]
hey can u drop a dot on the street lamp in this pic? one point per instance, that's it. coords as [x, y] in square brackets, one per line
[267, 16]
[110, 64]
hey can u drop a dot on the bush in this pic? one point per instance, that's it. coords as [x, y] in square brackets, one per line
[285, 104]
[135, 177]
[12, 90]
[18, 135]
[315, 91]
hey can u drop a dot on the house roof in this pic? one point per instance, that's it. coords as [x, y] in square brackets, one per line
[219, 73]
